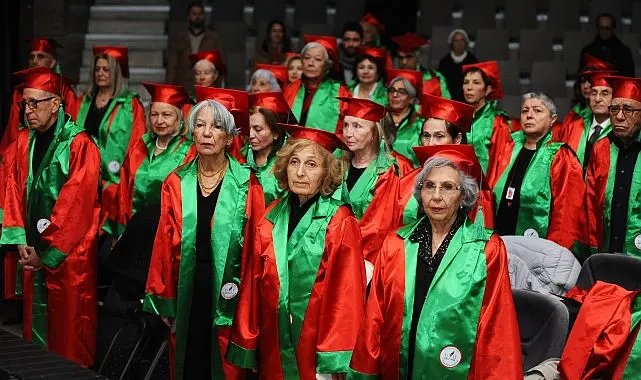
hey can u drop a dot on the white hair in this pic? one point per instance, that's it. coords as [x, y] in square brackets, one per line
[314, 44]
[454, 32]
[179, 115]
[265, 75]
[547, 100]
[411, 91]
[220, 116]
[213, 67]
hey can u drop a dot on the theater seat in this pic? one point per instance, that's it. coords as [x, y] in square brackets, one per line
[622, 270]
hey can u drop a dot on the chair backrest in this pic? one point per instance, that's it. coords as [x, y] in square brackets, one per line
[622, 270]
[434, 13]
[478, 14]
[492, 44]
[519, 15]
[549, 78]
[543, 325]
[563, 16]
[535, 45]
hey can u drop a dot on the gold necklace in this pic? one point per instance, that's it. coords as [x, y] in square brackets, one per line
[201, 180]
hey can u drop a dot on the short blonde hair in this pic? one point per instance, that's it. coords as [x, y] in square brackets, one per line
[181, 129]
[333, 176]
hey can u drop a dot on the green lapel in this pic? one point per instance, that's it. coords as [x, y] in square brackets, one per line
[363, 191]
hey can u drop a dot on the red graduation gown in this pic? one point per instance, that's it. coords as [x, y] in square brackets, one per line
[405, 165]
[10, 258]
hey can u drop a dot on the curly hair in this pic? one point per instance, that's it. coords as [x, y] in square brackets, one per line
[333, 172]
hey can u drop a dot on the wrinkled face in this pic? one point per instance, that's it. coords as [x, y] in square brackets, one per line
[196, 16]
[351, 40]
[536, 118]
[102, 73]
[210, 136]
[398, 97]
[358, 134]
[305, 171]
[294, 70]
[441, 194]
[458, 44]
[40, 108]
[367, 72]
[600, 99]
[627, 120]
[606, 28]
[369, 33]
[205, 74]
[474, 88]
[260, 85]
[314, 62]
[407, 60]
[276, 33]
[585, 88]
[435, 133]
[40, 58]
[261, 136]
[164, 119]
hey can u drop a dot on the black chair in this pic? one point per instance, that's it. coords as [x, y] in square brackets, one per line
[543, 324]
[622, 270]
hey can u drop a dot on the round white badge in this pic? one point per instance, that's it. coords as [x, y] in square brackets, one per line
[637, 241]
[42, 225]
[114, 166]
[531, 232]
[229, 290]
[450, 357]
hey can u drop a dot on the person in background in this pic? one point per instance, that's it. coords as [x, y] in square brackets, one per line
[209, 68]
[279, 71]
[369, 67]
[372, 31]
[539, 189]
[409, 45]
[608, 47]
[112, 115]
[196, 38]
[313, 98]
[491, 127]
[153, 157]
[209, 210]
[440, 302]
[263, 80]
[451, 66]
[51, 213]
[303, 299]
[351, 39]
[294, 68]
[613, 191]
[274, 47]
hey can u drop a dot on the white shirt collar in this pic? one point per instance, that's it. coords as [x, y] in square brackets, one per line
[603, 125]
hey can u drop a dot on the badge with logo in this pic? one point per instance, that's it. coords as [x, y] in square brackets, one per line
[637, 241]
[450, 356]
[229, 290]
[531, 232]
[42, 225]
[114, 166]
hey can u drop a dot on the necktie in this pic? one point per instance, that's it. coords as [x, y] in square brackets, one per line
[588, 149]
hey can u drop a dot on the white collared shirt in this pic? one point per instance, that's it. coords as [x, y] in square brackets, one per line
[603, 125]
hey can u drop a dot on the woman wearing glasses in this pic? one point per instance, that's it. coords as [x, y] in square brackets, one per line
[538, 187]
[465, 327]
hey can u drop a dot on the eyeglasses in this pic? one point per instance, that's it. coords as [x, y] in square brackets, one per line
[33, 104]
[400, 91]
[447, 188]
[627, 110]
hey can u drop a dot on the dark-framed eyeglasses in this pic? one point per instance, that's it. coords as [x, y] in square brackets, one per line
[33, 104]
[627, 110]
[400, 91]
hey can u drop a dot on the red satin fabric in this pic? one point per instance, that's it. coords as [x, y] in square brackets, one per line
[10, 260]
[177, 96]
[404, 164]
[595, 184]
[571, 131]
[291, 92]
[432, 86]
[501, 138]
[119, 53]
[623, 87]
[45, 45]
[406, 192]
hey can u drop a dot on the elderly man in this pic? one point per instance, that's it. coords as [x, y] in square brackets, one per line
[613, 190]
[51, 215]
[608, 47]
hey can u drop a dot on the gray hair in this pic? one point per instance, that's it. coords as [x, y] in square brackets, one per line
[314, 44]
[546, 99]
[265, 75]
[469, 187]
[454, 32]
[209, 63]
[220, 113]
[180, 120]
[411, 91]
[118, 82]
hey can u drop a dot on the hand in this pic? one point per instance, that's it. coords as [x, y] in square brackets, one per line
[32, 261]
[22, 251]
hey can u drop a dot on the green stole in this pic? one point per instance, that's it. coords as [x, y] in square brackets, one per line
[113, 136]
[266, 176]
[633, 366]
[633, 227]
[445, 92]
[410, 212]
[297, 261]
[482, 129]
[379, 95]
[450, 315]
[536, 189]
[227, 242]
[324, 109]
[583, 112]
[587, 122]
[408, 134]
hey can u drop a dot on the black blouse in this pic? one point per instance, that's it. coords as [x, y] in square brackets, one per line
[297, 211]
[205, 212]
[95, 116]
[41, 145]
[508, 212]
[353, 174]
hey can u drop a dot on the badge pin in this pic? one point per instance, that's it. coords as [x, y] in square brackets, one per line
[114, 166]
[450, 356]
[229, 290]
[509, 194]
[42, 225]
[637, 241]
[531, 232]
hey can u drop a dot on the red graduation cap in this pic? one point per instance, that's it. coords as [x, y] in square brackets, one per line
[597, 78]
[43, 78]
[625, 87]
[462, 156]
[290, 54]
[279, 71]
[379, 54]
[213, 56]
[491, 71]
[592, 64]
[329, 43]
[275, 102]
[119, 53]
[235, 101]
[413, 76]
[177, 96]
[410, 42]
[363, 108]
[327, 140]
[457, 113]
[45, 45]
[373, 21]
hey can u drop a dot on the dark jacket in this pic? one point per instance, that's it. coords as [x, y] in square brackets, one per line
[613, 51]
[453, 73]
[179, 69]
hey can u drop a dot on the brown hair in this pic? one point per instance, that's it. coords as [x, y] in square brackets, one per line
[271, 119]
[333, 176]
[377, 134]
[117, 80]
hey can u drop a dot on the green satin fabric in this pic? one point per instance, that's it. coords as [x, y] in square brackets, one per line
[379, 95]
[482, 129]
[536, 189]
[633, 366]
[113, 140]
[445, 92]
[227, 242]
[297, 261]
[410, 213]
[584, 112]
[324, 109]
[408, 134]
[580, 150]
[266, 176]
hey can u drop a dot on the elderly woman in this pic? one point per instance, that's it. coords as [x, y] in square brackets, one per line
[313, 97]
[158, 153]
[538, 184]
[111, 114]
[369, 67]
[263, 81]
[402, 124]
[208, 208]
[294, 68]
[371, 180]
[302, 303]
[279, 71]
[451, 65]
[209, 68]
[465, 327]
